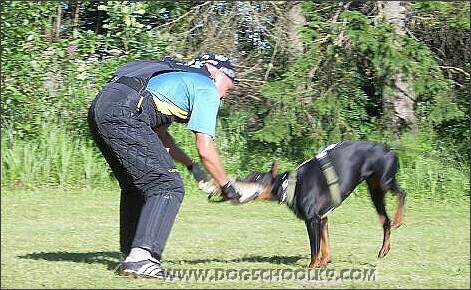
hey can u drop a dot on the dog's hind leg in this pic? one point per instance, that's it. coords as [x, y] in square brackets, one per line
[401, 199]
[325, 244]
[314, 231]
[377, 195]
[390, 166]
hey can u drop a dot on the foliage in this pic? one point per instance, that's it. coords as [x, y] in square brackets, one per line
[23, 41]
[57, 159]
[56, 80]
[65, 159]
[336, 89]
[55, 57]
[381, 53]
[444, 28]
[428, 170]
[319, 99]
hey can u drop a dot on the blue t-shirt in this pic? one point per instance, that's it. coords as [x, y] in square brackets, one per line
[191, 97]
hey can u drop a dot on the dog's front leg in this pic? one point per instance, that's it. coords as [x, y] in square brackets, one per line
[325, 243]
[314, 231]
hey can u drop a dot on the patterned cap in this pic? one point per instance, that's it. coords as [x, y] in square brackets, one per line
[218, 60]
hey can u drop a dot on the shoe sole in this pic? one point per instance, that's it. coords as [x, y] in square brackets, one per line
[132, 274]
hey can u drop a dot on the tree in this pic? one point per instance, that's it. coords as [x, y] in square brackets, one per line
[341, 86]
[310, 72]
[444, 28]
[399, 105]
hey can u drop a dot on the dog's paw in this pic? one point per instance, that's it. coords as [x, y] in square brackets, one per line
[396, 225]
[383, 252]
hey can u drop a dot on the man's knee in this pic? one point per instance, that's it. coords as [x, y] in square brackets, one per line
[171, 188]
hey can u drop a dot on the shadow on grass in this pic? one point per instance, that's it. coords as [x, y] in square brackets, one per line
[278, 260]
[110, 259]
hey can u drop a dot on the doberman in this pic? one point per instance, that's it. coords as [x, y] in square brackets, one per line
[320, 184]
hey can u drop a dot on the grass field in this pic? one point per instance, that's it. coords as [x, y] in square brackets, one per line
[56, 239]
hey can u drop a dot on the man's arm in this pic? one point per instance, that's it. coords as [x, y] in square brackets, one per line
[210, 158]
[174, 151]
[178, 155]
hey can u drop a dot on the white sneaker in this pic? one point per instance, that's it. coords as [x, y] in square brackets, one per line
[147, 269]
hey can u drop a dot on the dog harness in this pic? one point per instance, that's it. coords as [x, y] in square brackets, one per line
[330, 175]
[288, 186]
[290, 178]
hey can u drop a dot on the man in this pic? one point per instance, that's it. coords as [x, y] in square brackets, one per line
[129, 119]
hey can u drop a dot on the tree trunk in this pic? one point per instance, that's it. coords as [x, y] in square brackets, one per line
[398, 107]
[296, 20]
[75, 21]
[57, 34]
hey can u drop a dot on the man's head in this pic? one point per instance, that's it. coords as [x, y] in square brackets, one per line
[218, 60]
[220, 68]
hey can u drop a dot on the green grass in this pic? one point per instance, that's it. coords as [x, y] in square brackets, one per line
[57, 239]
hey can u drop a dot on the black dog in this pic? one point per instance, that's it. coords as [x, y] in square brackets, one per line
[319, 185]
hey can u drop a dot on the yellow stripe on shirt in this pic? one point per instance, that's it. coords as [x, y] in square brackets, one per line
[170, 109]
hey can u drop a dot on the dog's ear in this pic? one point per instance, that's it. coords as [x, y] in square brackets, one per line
[274, 169]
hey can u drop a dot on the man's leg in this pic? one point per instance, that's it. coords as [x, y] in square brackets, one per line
[141, 154]
[156, 221]
[132, 199]
[131, 204]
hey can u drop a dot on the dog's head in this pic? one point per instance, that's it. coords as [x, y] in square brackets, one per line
[267, 180]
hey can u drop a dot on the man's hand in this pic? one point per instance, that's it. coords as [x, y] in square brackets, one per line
[197, 172]
[230, 191]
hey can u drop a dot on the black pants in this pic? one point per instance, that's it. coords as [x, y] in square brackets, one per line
[151, 188]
